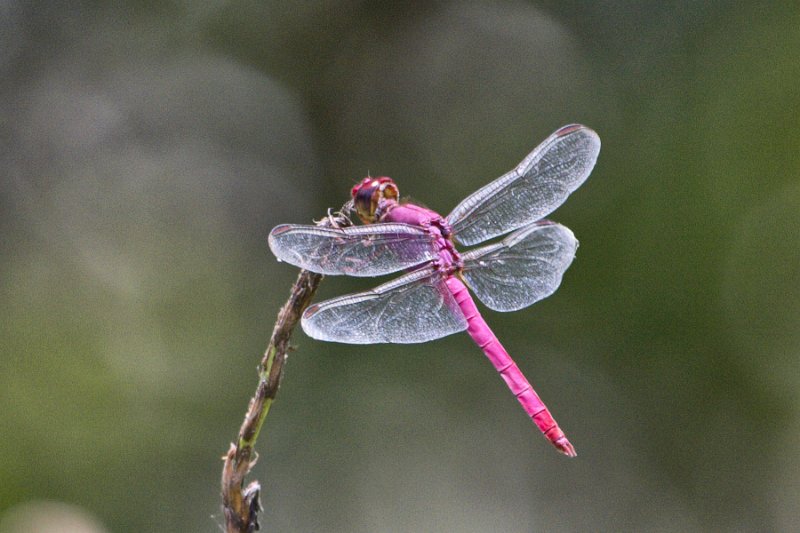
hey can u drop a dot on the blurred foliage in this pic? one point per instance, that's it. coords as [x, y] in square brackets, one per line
[146, 149]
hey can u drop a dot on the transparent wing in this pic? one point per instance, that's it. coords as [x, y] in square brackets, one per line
[416, 307]
[356, 251]
[536, 187]
[522, 269]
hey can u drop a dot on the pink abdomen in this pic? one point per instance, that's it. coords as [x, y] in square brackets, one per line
[508, 369]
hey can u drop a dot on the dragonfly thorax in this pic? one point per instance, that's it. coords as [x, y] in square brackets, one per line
[370, 194]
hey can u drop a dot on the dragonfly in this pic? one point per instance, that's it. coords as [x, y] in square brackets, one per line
[431, 299]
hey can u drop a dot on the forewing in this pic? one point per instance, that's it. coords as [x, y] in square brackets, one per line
[539, 184]
[522, 269]
[370, 250]
[416, 307]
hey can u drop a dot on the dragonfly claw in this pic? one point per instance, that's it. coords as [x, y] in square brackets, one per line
[565, 447]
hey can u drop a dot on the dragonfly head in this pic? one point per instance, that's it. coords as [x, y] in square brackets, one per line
[368, 194]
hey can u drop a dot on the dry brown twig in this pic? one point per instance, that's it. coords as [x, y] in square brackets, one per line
[241, 504]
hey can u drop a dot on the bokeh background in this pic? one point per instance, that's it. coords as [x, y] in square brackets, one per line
[147, 148]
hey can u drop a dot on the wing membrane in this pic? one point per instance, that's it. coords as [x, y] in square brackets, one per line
[539, 184]
[522, 269]
[370, 250]
[416, 307]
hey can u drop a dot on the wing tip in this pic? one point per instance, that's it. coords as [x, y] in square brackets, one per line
[310, 311]
[280, 228]
[569, 129]
[272, 241]
[308, 323]
[276, 232]
[572, 128]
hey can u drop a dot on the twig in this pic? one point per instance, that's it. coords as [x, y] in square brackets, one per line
[241, 504]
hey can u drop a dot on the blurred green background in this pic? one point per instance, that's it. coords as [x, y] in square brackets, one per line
[146, 150]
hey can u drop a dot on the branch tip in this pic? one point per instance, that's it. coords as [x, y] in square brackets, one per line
[241, 504]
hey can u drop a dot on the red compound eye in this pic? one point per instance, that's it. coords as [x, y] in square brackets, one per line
[368, 194]
[359, 185]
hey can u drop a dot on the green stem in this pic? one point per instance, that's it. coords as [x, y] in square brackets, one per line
[241, 504]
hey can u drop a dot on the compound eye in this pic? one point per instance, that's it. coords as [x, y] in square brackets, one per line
[365, 201]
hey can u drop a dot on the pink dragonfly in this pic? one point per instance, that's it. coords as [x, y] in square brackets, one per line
[431, 300]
